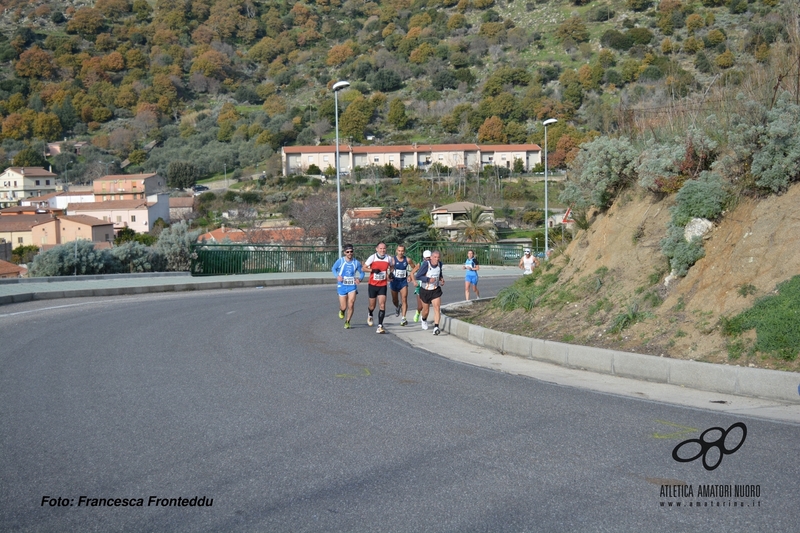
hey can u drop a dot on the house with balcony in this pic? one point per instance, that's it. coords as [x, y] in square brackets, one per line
[128, 187]
[19, 183]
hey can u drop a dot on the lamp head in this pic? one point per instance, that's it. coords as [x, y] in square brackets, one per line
[546, 122]
[339, 85]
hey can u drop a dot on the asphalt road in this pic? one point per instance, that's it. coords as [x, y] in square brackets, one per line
[260, 401]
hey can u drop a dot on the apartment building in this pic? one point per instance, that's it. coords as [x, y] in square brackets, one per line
[297, 159]
[18, 183]
[127, 187]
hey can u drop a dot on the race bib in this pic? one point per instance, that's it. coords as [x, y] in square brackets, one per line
[400, 274]
[528, 271]
[348, 280]
[379, 276]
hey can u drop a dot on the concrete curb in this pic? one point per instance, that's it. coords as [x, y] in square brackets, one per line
[735, 380]
[171, 287]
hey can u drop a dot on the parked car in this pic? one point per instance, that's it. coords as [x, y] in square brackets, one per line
[199, 188]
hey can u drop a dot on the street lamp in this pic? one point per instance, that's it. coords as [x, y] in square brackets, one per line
[546, 221]
[338, 86]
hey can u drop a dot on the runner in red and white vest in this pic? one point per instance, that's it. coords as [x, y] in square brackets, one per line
[379, 265]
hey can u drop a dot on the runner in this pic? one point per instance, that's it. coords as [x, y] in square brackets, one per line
[432, 278]
[528, 262]
[426, 255]
[471, 279]
[348, 274]
[399, 285]
[379, 266]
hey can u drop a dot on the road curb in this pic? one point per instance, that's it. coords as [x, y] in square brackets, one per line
[740, 381]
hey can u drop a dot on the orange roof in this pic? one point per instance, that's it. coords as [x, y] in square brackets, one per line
[7, 268]
[116, 177]
[220, 234]
[86, 219]
[105, 206]
[22, 222]
[33, 171]
[411, 148]
[181, 201]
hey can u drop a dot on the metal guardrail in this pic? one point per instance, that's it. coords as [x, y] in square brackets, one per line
[244, 258]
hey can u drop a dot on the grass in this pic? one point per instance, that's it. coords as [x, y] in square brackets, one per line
[526, 292]
[628, 318]
[776, 320]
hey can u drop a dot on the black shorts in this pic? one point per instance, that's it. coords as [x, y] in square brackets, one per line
[428, 296]
[375, 291]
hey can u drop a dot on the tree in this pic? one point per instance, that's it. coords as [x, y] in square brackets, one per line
[34, 63]
[86, 21]
[397, 114]
[317, 214]
[353, 122]
[47, 127]
[73, 257]
[491, 131]
[477, 227]
[182, 174]
[29, 157]
[573, 28]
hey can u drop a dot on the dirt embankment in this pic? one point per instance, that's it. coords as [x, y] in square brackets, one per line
[616, 267]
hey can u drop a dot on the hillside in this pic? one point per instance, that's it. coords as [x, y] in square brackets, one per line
[224, 84]
[606, 270]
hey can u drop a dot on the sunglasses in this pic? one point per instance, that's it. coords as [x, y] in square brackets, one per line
[348, 251]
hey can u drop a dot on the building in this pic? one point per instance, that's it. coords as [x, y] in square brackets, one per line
[10, 270]
[71, 228]
[451, 219]
[297, 159]
[181, 208]
[127, 187]
[139, 215]
[19, 183]
[17, 229]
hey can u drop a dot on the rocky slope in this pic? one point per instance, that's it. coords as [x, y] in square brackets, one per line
[616, 267]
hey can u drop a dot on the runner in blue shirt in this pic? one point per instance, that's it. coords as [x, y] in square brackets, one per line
[348, 274]
[399, 285]
[471, 279]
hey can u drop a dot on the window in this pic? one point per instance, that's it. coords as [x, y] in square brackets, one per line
[107, 237]
[105, 197]
[376, 159]
[133, 218]
[119, 218]
[391, 159]
[19, 240]
[47, 182]
[105, 218]
[37, 182]
[311, 159]
[325, 158]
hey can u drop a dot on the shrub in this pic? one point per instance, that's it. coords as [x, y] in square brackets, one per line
[601, 169]
[174, 244]
[702, 198]
[136, 257]
[73, 257]
[682, 254]
[777, 163]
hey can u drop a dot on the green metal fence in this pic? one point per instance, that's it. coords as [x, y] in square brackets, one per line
[241, 258]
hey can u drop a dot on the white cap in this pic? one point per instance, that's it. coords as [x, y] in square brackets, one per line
[426, 253]
[527, 251]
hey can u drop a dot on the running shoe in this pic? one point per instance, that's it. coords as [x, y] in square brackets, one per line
[424, 324]
[341, 315]
[380, 329]
[436, 331]
[397, 311]
[369, 321]
[416, 316]
[403, 321]
[347, 325]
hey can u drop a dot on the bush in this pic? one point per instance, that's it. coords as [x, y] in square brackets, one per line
[702, 198]
[74, 257]
[777, 163]
[681, 253]
[136, 257]
[601, 169]
[174, 244]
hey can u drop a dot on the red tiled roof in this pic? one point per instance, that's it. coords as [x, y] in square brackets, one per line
[105, 206]
[86, 219]
[22, 222]
[7, 268]
[127, 177]
[33, 171]
[467, 147]
[181, 201]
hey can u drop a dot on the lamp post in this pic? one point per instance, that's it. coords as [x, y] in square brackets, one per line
[225, 170]
[546, 221]
[338, 86]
